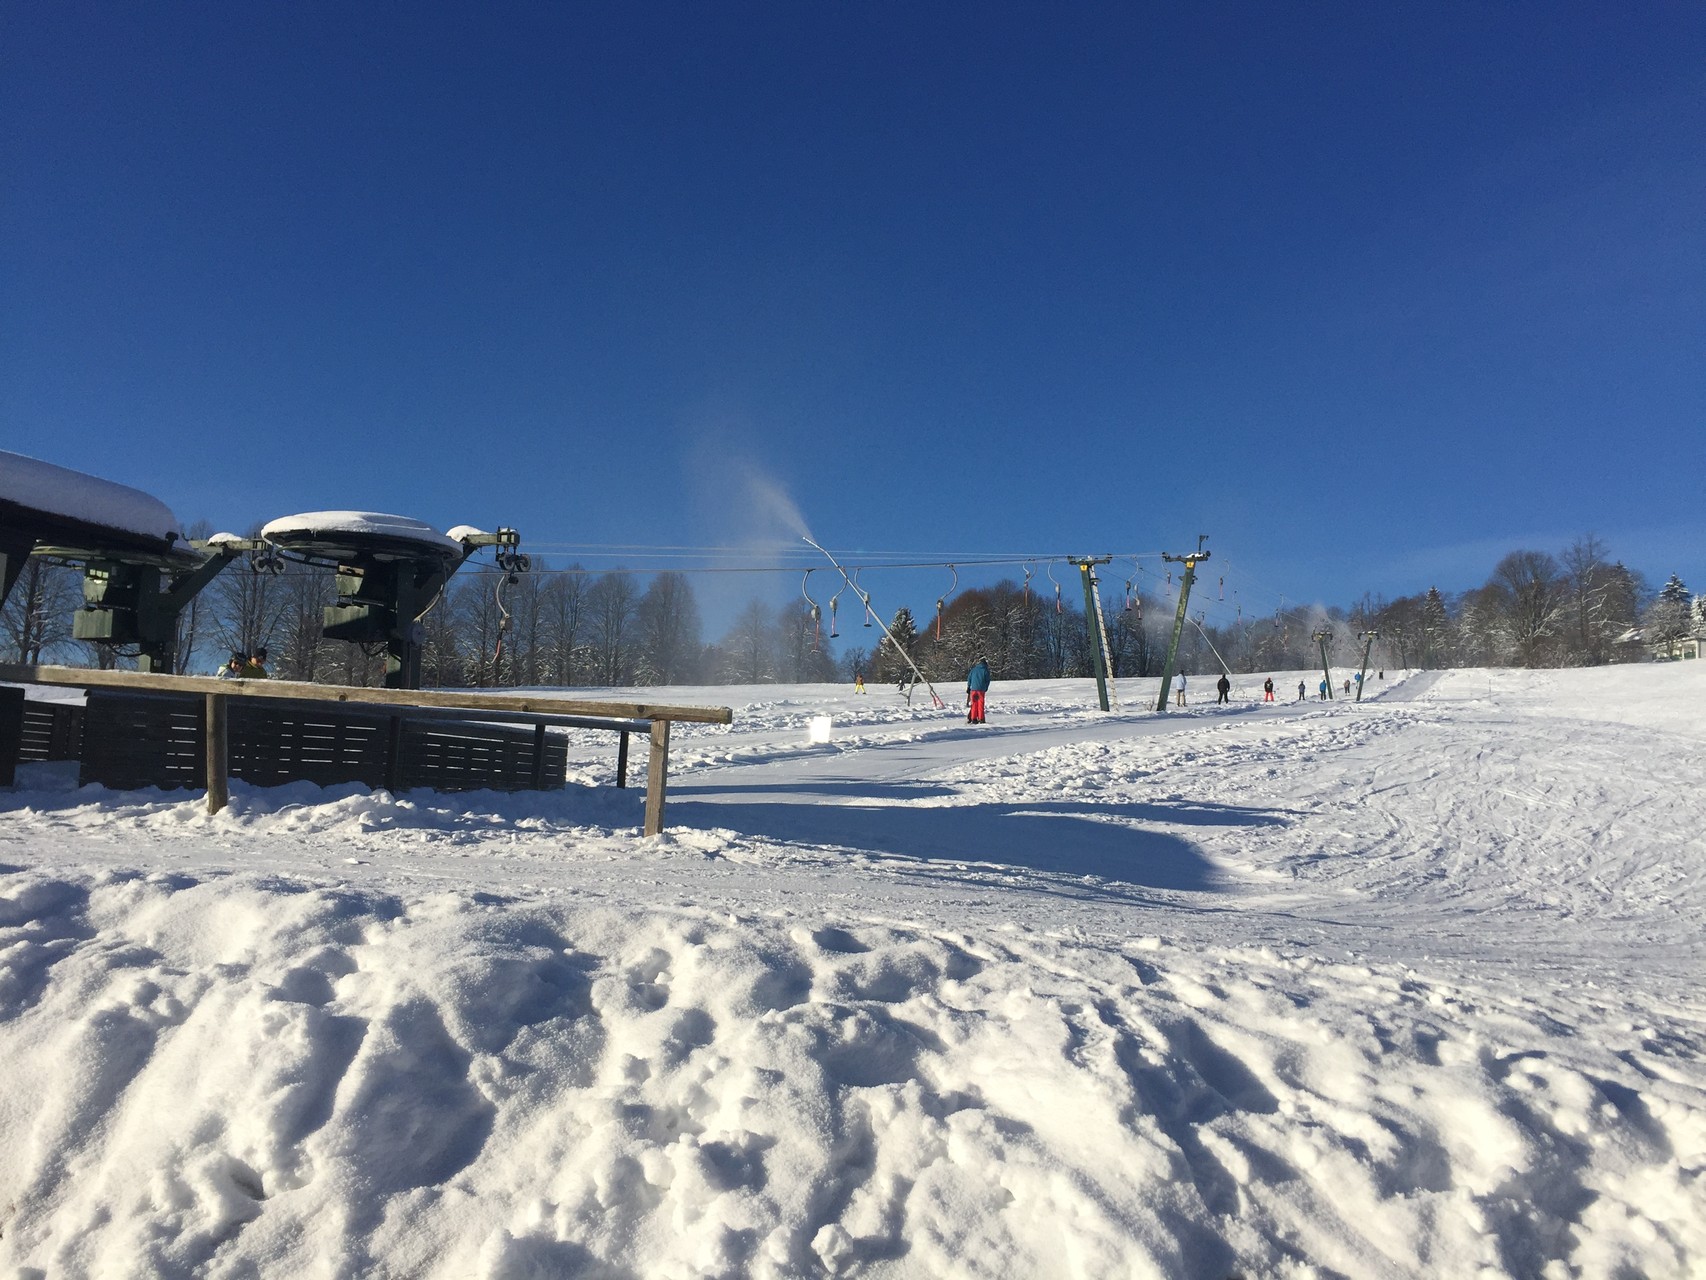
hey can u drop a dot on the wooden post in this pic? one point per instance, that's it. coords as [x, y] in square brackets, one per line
[12, 733]
[539, 756]
[394, 754]
[218, 780]
[622, 760]
[657, 777]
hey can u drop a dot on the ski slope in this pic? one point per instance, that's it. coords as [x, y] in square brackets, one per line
[1405, 988]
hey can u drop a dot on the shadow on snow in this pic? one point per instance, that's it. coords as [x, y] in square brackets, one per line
[1057, 837]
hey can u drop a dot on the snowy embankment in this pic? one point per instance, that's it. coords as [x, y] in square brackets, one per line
[1409, 988]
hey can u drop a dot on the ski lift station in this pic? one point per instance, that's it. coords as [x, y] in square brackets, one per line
[153, 727]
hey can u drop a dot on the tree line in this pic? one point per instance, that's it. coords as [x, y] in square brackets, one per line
[568, 627]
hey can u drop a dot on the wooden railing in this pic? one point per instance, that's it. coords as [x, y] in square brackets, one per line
[588, 713]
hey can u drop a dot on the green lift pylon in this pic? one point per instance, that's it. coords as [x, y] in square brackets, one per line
[1093, 624]
[1190, 562]
[1325, 640]
[1368, 639]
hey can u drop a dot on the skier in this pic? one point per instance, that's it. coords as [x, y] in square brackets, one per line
[1300, 693]
[977, 686]
[1181, 694]
[1347, 688]
[1358, 679]
[1323, 689]
[1268, 689]
[1224, 686]
[858, 682]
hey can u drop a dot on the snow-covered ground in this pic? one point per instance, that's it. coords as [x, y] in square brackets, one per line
[1410, 988]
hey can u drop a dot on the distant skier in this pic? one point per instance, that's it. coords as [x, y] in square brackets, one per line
[1180, 695]
[858, 682]
[1301, 694]
[977, 688]
[1268, 689]
[1224, 687]
[1347, 688]
[1323, 690]
[1358, 679]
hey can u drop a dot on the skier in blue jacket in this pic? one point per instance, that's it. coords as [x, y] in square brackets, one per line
[977, 685]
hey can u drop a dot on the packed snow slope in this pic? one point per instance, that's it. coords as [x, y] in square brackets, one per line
[1405, 988]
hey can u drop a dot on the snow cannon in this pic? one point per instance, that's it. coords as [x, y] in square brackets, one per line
[137, 573]
[389, 571]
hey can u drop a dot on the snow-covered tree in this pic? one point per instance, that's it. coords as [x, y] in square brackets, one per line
[889, 665]
[1670, 618]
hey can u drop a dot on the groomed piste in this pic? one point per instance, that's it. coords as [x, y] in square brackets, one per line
[1404, 989]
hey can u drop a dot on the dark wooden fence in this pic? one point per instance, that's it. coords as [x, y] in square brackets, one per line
[189, 731]
[160, 740]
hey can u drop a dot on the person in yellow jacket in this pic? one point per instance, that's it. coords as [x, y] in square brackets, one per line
[255, 667]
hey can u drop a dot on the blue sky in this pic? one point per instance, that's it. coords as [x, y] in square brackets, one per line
[1368, 293]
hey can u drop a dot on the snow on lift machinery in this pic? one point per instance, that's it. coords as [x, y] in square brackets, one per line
[816, 612]
[138, 572]
[390, 571]
[942, 599]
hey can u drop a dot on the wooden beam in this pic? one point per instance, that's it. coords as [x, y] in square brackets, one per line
[657, 777]
[89, 678]
[218, 759]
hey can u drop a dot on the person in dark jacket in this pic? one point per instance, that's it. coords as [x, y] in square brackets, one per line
[1268, 690]
[1224, 687]
[977, 687]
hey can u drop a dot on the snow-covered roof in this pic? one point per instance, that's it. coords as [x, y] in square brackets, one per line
[75, 495]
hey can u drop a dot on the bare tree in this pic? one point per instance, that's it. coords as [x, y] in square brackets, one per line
[1536, 596]
[564, 624]
[247, 606]
[666, 631]
[748, 650]
[37, 615]
[610, 611]
[300, 647]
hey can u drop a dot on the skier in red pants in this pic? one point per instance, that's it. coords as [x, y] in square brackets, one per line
[977, 685]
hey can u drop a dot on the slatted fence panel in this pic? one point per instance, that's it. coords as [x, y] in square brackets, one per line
[273, 743]
[464, 757]
[52, 731]
[142, 740]
[156, 740]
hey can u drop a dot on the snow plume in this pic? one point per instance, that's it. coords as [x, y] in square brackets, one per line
[741, 505]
